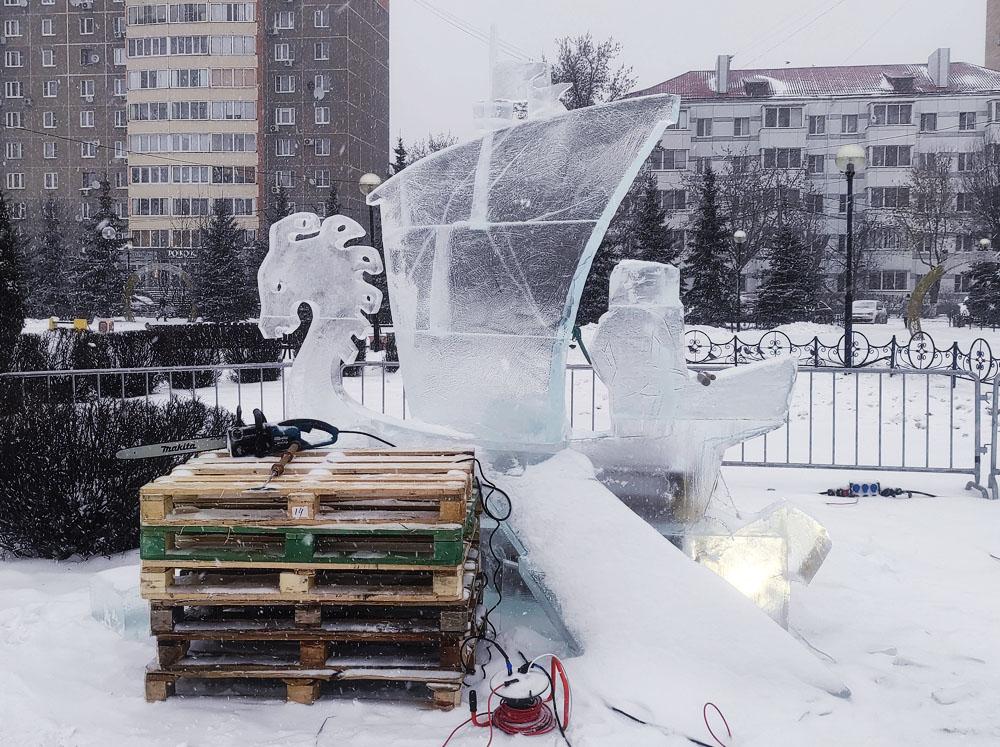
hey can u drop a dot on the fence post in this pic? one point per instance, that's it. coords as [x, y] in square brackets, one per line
[954, 362]
[892, 352]
[816, 352]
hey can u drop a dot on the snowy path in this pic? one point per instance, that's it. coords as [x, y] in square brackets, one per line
[905, 604]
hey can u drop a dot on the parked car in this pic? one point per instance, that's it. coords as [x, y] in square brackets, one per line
[871, 312]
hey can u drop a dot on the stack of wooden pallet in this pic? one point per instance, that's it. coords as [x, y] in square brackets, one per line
[355, 565]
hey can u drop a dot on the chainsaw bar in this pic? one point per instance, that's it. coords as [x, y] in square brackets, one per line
[172, 448]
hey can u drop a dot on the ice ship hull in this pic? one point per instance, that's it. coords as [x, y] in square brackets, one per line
[488, 245]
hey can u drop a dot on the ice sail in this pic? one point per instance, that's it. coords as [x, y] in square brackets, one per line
[488, 245]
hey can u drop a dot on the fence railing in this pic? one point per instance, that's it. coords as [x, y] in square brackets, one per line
[919, 352]
[876, 418]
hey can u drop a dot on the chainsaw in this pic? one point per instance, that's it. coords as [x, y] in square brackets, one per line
[259, 440]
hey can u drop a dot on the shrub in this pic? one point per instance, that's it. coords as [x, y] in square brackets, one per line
[187, 345]
[243, 343]
[63, 493]
[391, 352]
[356, 370]
[132, 349]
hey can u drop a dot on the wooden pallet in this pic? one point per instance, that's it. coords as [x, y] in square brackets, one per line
[315, 649]
[359, 543]
[329, 462]
[311, 499]
[303, 685]
[239, 582]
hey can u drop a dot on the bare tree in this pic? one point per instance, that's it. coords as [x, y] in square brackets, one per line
[591, 69]
[981, 182]
[431, 144]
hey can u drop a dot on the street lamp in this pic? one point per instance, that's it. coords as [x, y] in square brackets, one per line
[367, 184]
[985, 244]
[739, 238]
[850, 159]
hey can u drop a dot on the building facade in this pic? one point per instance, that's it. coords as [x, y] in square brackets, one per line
[62, 116]
[182, 104]
[993, 34]
[799, 118]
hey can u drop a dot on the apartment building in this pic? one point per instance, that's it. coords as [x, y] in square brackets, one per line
[182, 104]
[62, 114]
[800, 117]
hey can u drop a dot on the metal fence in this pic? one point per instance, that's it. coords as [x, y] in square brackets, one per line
[919, 352]
[875, 418]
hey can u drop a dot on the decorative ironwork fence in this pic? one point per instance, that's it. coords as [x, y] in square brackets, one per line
[919, 353]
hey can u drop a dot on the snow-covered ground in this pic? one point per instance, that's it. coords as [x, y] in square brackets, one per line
[903, 611]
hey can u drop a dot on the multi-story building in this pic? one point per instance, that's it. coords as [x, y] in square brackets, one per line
[181, 104]
[62, 115]
[993, 34]
[798, 118]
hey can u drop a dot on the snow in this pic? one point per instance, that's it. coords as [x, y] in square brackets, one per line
[903, 605]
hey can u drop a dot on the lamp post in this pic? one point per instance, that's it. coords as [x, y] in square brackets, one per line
[367, 184]
[739, 239]
[850, 159]
[985, 244]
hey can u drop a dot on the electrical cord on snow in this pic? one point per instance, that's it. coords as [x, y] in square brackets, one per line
[671, 732]
[373, 437]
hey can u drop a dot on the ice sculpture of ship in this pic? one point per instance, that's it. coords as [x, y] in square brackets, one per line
[488, 244]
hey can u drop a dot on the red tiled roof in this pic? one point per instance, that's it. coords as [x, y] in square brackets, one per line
[822, 82]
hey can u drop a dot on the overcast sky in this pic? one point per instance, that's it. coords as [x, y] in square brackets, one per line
[438, 70]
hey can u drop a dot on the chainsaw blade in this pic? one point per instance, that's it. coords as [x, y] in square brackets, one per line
[172, 448]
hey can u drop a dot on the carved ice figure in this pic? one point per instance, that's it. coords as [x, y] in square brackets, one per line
[488, 245]
[670, 429]
[309, 262]
[520, 90]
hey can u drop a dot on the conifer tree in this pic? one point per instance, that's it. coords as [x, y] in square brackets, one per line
[983, 301]
[792, 285]
[11, 295]
[279, 207]
[709, 296]
[333, 206]
[649, 236]
[100, 280]
[400, 160]
[51, 265]
[220, 279]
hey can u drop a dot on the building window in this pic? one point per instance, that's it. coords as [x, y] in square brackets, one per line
[119, 55]
[13, 28]
[120, 119]
[890, 155]
[321, 51]
[12, 59]
[50, 89]
[967, 121]
[887, 280]
[48, 120]
[817, 125]
[87, 118]
[13, 150]
[963, 202]
[51, 180]
[928, 122]
[322, 115]
[682, 121]
[703, 127]
[86, 25]
[842, 206]
[889, 197]
[284, 115]
[12, 120]
[321, 83]
[284, 146]
[284, 84]
[741, 126]
[15, 180]
[892, 114]
[48, 58]
[188, 13]
[284, 19]
[88, 150]
[120, 88]
[87, 89]
[322, 178]
[282, 52]
[849, 123]
[149, 206]
[673, 200]
[120, 151]
[47, 27]
[966, 161]
[49, 149]
[321, 146]
[283, 179]
[702, 164]
[782, 158]
[321, 18]
[816, 164]
[668, 160]
[782, 116]
[12, 89]
[89, 56]
[963, 283]
[813, 203]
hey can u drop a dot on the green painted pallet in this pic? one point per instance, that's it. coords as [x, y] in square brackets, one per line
[388, 543]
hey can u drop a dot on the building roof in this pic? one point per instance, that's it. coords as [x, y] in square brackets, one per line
[829, 82]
